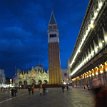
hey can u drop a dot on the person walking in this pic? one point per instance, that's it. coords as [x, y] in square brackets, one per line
[67, 87]
[33, 88]
[15, 91]
[44, 89]
[63, 87]
[29, 90]
[100, 93]
[40, 89]
[12, 92]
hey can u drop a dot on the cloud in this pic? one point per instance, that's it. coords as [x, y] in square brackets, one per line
[24, 26]
[18, 48]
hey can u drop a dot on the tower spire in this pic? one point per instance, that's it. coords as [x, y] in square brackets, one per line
[52, 19]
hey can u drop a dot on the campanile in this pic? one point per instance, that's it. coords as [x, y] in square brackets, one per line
[55, 75]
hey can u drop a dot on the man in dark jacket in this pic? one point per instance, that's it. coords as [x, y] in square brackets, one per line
[100, 93]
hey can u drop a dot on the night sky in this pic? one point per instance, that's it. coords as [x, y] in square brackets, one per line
[23, 31]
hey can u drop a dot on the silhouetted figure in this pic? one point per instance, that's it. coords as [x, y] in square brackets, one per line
[84, 86]
[40, 89]
[44, 89]
[67, 87]
[12, 92]
[15, 91]
[87, 86]
[100, 93]
[63, 87]
[29, 90]
[32, 89]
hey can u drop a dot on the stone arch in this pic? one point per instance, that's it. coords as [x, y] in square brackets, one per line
[33, 82]
[20, 83]
[25, 83]
[39, 81]
[45, 81]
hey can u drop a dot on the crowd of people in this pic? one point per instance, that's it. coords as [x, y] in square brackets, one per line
[10, 90]
[42, 89]
[31, 90]
[65, 86]
[13, 91]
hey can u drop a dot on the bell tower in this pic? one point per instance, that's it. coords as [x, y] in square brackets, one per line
[55, 75]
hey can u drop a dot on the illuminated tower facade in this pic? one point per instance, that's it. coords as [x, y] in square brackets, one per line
[55, 76]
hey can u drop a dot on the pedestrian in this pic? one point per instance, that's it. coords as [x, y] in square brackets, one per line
[63, 87]
[40, 89]
[15, 91]
[29, 90]
[12, 92]
[87, 86]
[32, 90]
[67, 87]
[44, 89]
[100, 93]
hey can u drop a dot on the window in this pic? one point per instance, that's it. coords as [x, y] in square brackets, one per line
[52, 35]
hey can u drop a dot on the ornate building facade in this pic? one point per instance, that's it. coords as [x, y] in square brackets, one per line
[33, 76]
[55, 76]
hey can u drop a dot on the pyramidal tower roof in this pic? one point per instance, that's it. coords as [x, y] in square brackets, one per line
[52, 19]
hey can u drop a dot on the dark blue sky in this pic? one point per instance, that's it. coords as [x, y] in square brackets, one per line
[24, 26]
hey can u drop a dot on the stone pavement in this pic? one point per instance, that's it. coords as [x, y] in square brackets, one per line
[82, 98]
[55, 98]
[7, 94]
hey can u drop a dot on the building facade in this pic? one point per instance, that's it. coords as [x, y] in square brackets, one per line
[33, 76]
[55, 76]
[65, 76]
[89, 58]
[2, 77]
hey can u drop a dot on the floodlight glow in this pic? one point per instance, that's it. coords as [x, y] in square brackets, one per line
[64, 83]
[92, 24]
[100, 4]
[100, 45]
[95, 14]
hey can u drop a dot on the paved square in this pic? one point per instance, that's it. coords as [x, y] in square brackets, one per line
[55, 98]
